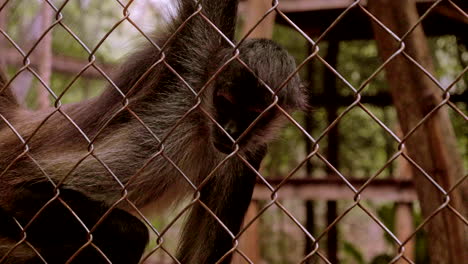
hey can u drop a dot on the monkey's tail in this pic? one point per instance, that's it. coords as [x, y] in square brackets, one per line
[227, 195]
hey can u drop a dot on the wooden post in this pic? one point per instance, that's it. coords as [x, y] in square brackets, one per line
[310, 125]
[249, 242]
[433, 146]
[404, 228]
[333, 144]
[404, 224]
[45, 54]
[254, 12]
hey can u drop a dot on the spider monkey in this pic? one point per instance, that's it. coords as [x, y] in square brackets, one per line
[176, 122]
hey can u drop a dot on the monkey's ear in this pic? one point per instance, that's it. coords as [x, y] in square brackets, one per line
[303, 98]
[296, 96]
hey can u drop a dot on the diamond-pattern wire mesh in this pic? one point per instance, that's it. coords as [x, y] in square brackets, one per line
[160, 234]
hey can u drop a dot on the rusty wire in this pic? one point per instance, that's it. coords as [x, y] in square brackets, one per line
[274, 201]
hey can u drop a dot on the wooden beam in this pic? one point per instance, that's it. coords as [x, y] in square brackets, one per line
[336, 189]
[71, 66]
[451, 13]
[308, 5]
[378, 99]
[253, 13]
[60, 63]
[314, 17]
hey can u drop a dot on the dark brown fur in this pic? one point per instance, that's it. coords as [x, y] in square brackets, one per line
[57, 148]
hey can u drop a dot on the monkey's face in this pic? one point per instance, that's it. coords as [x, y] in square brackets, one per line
[239, 97]
[236, 109]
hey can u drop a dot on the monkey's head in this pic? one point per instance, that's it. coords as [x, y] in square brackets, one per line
[239, 97]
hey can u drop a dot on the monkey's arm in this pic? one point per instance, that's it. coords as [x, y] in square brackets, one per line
[228, 195]
[223, 14]
[194, 47]
[190, 46]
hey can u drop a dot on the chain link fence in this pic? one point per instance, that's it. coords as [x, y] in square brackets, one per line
[439, 178]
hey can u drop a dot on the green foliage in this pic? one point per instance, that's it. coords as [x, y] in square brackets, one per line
[357, 61]
[353, 255]
[381, 259]
[461, 131]
[422, 254]
[20, 14]
[291, 40]
[366, 146]
[386, 214]
[447, 56]
[80, 90]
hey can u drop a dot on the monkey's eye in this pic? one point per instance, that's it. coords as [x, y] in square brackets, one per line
[223, 100]
[255, 110]
[254, 113]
